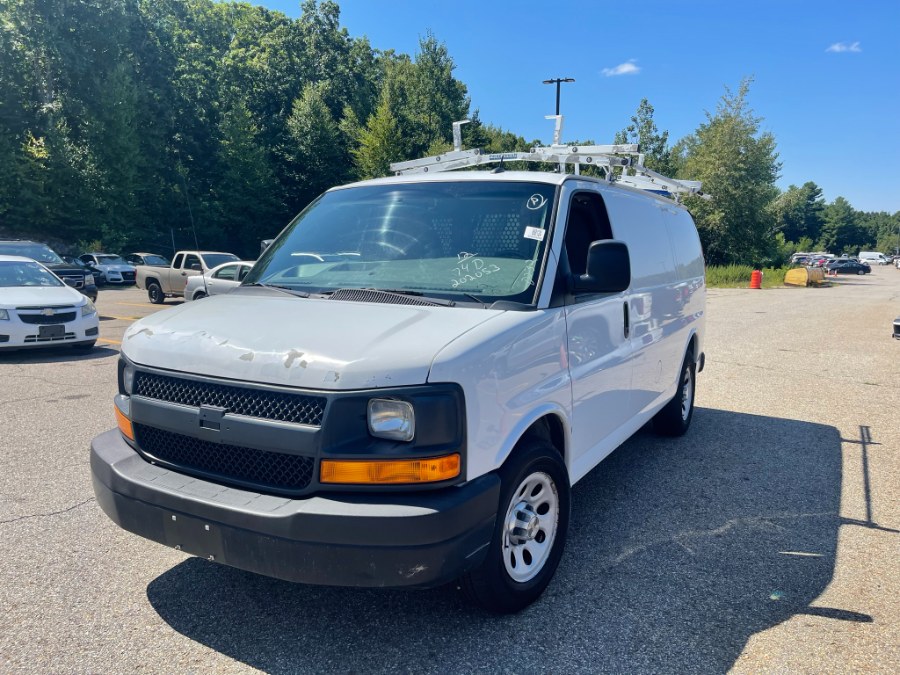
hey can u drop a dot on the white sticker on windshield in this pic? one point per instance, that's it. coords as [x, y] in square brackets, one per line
[535, 202]
[534, 233]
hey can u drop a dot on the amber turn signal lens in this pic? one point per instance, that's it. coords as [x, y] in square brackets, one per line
[390, 472]
[124, 424]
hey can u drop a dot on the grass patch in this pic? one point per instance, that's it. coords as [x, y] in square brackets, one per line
[738, 276]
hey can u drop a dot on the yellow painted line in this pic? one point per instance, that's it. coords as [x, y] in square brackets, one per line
[108, 341]
[120, 318]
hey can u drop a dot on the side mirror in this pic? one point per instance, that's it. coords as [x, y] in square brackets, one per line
[608, 268]
[196, 266]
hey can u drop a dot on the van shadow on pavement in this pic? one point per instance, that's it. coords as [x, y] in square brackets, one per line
[679, 552]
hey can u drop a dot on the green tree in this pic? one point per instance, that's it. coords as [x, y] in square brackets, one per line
[654, 144]
[841, 231]
[318, 148]
[798, 212]
[738, 166]
[246, 197]
[380, 142]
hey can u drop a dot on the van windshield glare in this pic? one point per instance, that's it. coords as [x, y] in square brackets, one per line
[449, 239]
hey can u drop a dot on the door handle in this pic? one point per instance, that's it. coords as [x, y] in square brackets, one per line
[627, 323]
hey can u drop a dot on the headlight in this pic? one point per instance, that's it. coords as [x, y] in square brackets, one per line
[394, 420]
[126, 377]
[4, 315]
[88, 308]
[89, 280]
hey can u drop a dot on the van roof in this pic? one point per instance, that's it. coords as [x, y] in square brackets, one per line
[505, 177]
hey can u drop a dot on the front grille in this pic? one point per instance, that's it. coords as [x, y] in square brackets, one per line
[63, 338]
[261, 403]
[41, 320]
[128, 276]
[245, 466]
[74, 282]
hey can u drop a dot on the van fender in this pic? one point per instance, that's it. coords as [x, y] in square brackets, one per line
[673, 387]
[525, 422]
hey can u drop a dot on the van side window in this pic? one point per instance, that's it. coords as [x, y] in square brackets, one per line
[588, 222]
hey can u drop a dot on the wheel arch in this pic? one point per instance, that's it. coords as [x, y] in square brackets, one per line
[548, 423]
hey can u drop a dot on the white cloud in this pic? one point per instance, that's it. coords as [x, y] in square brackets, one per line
[839, 47]
[627, 68]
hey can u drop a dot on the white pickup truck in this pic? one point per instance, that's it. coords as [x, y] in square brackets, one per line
[169, 282]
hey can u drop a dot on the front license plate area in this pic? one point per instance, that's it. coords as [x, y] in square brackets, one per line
[194, 536]
[50, 332]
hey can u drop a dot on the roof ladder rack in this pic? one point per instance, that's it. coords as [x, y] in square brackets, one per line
[626, 156]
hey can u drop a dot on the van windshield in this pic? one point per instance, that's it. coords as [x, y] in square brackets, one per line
[452, 240]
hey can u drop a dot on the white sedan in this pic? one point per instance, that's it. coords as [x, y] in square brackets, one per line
[218, 280]
[39, 310]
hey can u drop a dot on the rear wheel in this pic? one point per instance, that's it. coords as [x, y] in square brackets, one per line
[199, 295]
[675, 418]
[860, 271]
[529, 534]
[155, 294]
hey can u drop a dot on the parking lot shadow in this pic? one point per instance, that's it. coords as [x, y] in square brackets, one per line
[679, 551]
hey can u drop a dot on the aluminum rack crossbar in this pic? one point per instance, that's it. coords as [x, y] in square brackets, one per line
[633, 172]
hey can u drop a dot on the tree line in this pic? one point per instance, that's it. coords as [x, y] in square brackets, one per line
[124, 121]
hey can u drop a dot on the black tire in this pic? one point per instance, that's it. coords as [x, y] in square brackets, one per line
[199, 295]
[154, 293]
[490, 585]
[673, 419]
[860, 271]
[84, 346]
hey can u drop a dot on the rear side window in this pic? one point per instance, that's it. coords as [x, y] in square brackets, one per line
[178, 260]
[685, 246]
[226, 273]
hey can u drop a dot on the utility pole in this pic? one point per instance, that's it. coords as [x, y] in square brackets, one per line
[557, 82]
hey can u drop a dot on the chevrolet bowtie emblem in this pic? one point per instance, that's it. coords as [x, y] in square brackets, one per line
[48, 311]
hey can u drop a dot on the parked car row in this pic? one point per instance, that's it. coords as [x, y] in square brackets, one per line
[171, 282]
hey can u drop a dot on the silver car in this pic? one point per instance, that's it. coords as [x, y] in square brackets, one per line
[218, 280]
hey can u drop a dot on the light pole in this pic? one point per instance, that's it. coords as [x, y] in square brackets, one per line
[557, 82]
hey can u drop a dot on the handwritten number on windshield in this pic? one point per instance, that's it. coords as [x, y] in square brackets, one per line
[471, 268]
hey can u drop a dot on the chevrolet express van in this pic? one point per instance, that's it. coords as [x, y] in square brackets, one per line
[406, 386]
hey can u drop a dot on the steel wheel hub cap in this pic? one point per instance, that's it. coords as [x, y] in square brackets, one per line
[530, 527]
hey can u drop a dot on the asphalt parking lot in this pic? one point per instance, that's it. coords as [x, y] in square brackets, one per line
[766, 540]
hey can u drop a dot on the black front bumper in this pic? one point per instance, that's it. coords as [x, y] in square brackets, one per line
[415, 539]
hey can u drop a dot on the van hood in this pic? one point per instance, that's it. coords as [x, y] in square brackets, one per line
[300, 342]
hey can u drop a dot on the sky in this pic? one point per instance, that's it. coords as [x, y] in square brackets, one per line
[826, 75]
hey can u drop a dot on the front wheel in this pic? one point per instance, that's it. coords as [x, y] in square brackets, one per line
[529, 534]
[675, 418]
[155, 294]
[860, 271]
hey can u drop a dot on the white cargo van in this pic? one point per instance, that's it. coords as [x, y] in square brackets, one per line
[873, 257]
[408, 383]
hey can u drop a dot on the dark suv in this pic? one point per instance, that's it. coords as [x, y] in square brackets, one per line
[75, 276]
